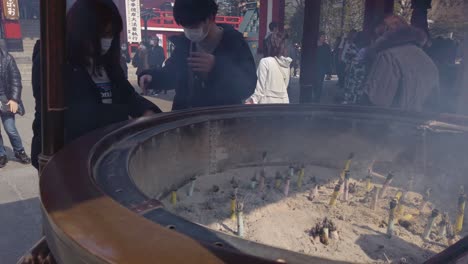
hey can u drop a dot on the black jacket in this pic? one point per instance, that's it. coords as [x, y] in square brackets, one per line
[324, 58]
[232, 80]
[156, 57]
[85, 110]
[10, 77]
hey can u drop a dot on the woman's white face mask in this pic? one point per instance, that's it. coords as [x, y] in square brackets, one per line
[106, 44]
[196, 34]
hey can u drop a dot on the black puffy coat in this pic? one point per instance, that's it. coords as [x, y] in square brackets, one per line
[232, 80]
[10, 77]
[85, 112]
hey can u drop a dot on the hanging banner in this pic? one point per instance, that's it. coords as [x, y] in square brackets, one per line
[11, 9]
[133, 21]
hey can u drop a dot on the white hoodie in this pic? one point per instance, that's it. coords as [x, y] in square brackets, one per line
[273, 80]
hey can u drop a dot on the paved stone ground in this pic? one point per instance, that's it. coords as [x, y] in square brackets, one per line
[20, 218]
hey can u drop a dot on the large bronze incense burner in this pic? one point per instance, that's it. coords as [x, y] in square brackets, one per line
[109, 197]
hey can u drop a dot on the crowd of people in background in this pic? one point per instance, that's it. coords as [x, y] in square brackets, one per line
[397, 66]
[149, 56]
[371, 67]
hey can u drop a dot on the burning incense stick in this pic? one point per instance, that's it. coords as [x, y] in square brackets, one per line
[375, 198]
[233, 206]
[192, 186]
[333, 230]
[346, 186]
[368, 181]
[253, 182]
[278, 180]
[286, 186]
[313, 193]
[450, 233]
[391, 218]
[400, 196]
[174, 197]
[325, 236]
[348, 162]
[336, 193]
[386, 184]
[425, 199]
[301, 177]
[240, 219]
[430, 224]
[460, 213]
[443, 225]
[261, 185]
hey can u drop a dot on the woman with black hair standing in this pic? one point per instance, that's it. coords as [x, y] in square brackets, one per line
[97, 92]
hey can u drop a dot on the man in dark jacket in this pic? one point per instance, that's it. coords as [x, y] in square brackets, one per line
[267, 44]
[212, 65]
[124, 58]
[10, 98]
[156, 55]
[324, 62]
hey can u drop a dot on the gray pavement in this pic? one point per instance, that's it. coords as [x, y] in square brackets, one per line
[20, 220]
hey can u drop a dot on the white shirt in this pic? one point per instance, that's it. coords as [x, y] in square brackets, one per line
[273, 80]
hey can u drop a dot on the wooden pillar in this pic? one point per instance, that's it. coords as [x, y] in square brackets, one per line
[309, 49]
[462, 80]
[389, 7]
[270, 11]
[419, 15]
[123, 13]
[375, 11]
[53, 25]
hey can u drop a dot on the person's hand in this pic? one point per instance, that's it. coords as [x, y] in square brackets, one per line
[201, 62]
[249, 101]
[13, 106]
[145, 81]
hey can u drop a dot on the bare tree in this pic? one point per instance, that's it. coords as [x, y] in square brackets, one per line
[333, 13]
[403, 9]
[229, 7]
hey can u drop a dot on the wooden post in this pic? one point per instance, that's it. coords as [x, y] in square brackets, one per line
[462, 79]
[388, 7]
[309, 48]
[419, 16]
[270, 11]
[53, 25]
[123, 13]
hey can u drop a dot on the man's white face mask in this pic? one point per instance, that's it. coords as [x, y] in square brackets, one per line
[196, 34]
[106, 44]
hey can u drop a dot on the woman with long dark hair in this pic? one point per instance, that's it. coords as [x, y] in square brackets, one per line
[97, 92]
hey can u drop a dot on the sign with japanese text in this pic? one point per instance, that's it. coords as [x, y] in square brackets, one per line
[11, 9]
[133, 21]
